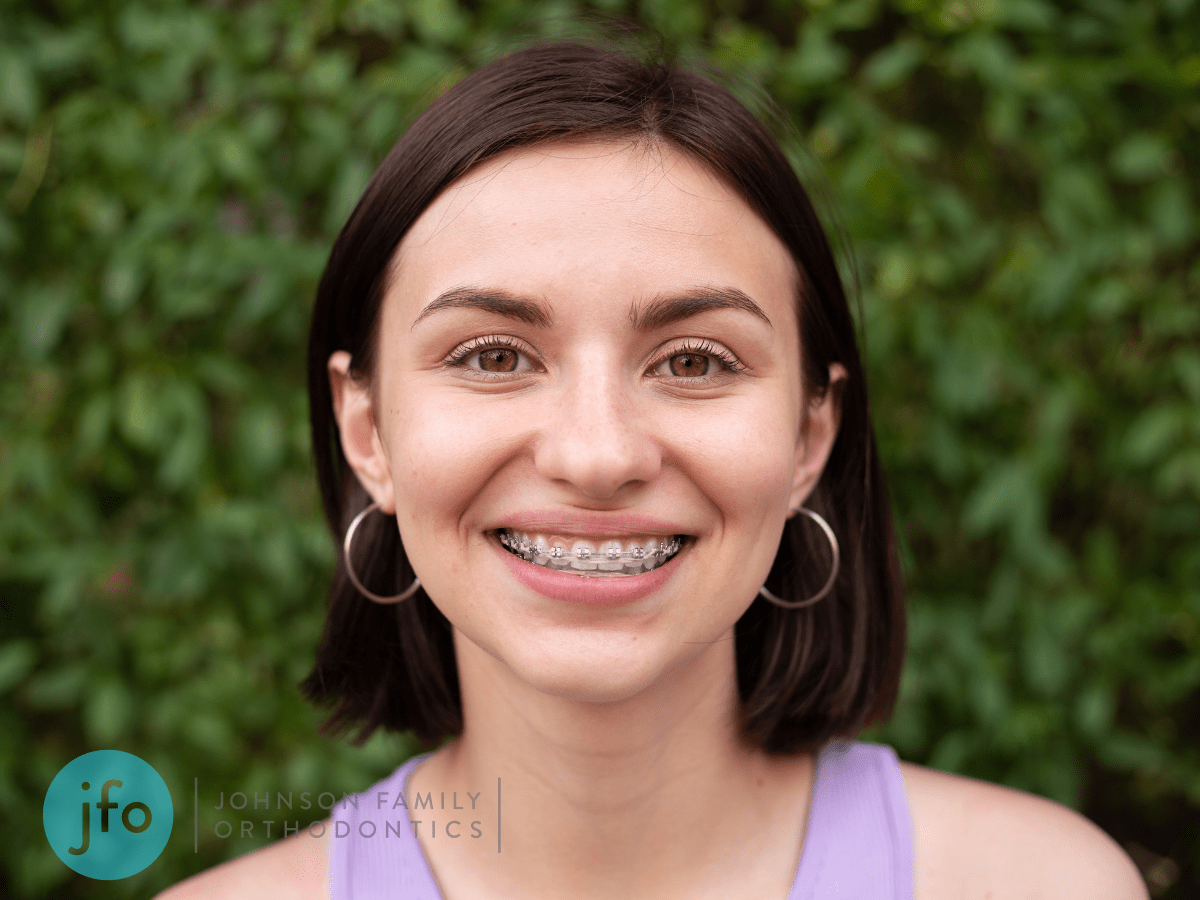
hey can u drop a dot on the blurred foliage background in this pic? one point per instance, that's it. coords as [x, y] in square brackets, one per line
[1018, 179]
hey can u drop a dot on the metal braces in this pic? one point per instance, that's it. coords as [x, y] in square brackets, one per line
[526, 547]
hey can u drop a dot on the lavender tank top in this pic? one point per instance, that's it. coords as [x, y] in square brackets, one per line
[859, 841]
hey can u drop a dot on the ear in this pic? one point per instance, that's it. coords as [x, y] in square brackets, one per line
[818, 432]
[355, 415]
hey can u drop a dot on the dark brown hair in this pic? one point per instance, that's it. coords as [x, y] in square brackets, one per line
[804, 676]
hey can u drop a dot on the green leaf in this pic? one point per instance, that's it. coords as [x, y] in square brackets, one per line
[1141, 157]
[1152, 433]
[44, 316]
[141, 417]
[108, 713]
[816, 60]
[19, 101]
[16, 660]
[893, 64]
[1008, 494]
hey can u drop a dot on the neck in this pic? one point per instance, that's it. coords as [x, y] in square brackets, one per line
[603, 798]
[603, 755]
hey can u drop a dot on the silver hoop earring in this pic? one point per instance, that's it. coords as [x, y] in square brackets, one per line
[412, 588]
[837, 561]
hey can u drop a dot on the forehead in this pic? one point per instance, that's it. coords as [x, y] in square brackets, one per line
[610, 220]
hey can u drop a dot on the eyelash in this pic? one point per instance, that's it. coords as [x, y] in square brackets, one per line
[460, 354]
[487, 342]
[702, 348]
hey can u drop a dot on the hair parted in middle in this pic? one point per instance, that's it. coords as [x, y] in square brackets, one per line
[804, 676]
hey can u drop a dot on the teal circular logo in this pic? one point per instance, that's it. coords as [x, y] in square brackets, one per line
[108, 814]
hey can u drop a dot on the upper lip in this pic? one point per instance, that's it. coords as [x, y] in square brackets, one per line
[583, 524]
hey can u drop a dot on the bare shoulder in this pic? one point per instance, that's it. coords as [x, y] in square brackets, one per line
[974, 839]
[296, 868]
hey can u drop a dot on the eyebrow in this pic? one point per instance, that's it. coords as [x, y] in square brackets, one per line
[499, 302]
[659, 312]
[665, 310]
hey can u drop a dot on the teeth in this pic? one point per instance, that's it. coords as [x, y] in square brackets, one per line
[582, 551]
[610, 554]
[611, 557]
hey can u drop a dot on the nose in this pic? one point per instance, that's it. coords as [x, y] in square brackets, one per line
[596, 439]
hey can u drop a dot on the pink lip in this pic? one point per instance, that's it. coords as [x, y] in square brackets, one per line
[579, 523]
[565, 588]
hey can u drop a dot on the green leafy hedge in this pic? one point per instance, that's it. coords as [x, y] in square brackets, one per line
[1018, 179]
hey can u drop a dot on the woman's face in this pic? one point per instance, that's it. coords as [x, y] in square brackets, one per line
[588, 348]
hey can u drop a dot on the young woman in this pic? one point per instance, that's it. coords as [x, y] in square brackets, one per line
[591, 425]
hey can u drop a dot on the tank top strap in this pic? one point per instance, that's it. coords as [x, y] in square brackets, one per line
[373, 849]
[859, 841]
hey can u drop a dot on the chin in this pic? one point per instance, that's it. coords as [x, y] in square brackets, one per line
[608, 661]
[588, 687]
[603, 671]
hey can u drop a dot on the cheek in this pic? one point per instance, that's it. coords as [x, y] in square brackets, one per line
[446, 451]
[741, 454]
[439, 458]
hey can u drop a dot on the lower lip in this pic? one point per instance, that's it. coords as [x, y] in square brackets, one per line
[590, 591]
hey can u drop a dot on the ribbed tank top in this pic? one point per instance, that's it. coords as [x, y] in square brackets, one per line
[858, 843]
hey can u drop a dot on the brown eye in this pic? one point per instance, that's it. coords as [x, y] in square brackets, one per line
[498, 359]
[686, 365]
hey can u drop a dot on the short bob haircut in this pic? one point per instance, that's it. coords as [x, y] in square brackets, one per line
[804, 676]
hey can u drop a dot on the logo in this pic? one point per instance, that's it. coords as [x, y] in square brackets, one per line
[108, 814]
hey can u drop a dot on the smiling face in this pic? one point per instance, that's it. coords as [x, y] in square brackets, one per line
[589, 348]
